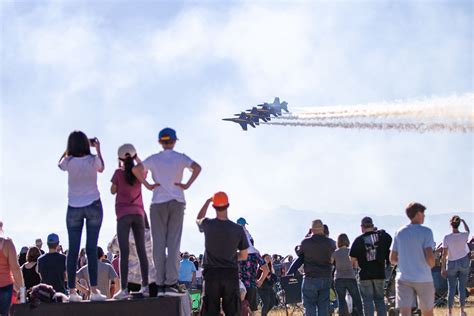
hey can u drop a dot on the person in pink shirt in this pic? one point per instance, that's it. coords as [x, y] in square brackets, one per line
[130, 215]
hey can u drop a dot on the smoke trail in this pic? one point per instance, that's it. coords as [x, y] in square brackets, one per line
[438, 108]
[418, 127]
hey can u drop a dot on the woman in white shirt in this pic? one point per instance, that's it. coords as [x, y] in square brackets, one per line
[83, 204]
[456, 251]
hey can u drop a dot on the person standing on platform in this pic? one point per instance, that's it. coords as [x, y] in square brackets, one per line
[130, 215]
[225, 244]
[167, 207]
[83, 204]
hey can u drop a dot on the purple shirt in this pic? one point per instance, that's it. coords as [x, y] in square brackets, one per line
[129, 197]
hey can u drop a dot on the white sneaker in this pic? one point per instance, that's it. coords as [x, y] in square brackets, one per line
[97, 297]
[74, 297]
[121, 295]
[145, 291]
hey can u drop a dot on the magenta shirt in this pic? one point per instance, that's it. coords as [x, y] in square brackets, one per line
[129, 197]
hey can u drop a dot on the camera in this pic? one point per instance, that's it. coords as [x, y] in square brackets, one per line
[92, 141]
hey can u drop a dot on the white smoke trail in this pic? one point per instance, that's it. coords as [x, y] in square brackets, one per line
[418, 127]
[435, 108]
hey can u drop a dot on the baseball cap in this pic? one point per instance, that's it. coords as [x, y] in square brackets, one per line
[242, 221]
[220, 199]
[126, 150]
[367, 222]
[167, 134]
[53, 238]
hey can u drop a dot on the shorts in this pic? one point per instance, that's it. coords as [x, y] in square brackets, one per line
[251, 297]
[408, 292]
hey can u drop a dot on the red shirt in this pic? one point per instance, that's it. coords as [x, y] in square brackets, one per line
[129, 197]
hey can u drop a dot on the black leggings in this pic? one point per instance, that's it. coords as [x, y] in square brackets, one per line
[137, 223]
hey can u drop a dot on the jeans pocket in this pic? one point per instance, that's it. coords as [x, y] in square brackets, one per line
[94, 214]
[465, 262]
[74, 217]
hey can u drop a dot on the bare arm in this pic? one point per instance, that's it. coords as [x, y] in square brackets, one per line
[429, 257]
[443, 259]
[193, 281]
[466, 228]
[203, 211]
[99, 154]
[196, 171]
[113, 189]
[139, 172]
[242, 255]
[393, 257]
[14, 266]
[263, 276]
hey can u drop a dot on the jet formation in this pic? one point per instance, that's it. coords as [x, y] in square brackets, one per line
[262, 112]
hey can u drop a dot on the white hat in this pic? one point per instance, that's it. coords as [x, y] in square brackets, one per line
[126, 150]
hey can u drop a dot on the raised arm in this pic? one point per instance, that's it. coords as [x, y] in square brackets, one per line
[466, 228]
[99, 154]
[203, 211]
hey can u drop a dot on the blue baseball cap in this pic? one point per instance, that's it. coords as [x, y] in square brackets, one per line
[53, 239]
[242, 221]
[167, 134]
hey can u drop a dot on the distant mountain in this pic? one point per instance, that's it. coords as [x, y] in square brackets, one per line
[278, 231]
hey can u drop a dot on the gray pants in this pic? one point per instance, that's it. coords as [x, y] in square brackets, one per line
[166, 228]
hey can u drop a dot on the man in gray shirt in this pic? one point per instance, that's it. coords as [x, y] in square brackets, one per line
[316, 252]
[412, 250]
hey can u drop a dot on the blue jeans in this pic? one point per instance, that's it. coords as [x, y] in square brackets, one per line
[349, 285]
[458, 274]
[316, 296]
[372, 292]
[75, 221]
[5, 299]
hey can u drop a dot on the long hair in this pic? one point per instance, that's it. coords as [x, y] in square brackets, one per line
[78, 145]
[128, 164]
[270, 265]
[33, 254]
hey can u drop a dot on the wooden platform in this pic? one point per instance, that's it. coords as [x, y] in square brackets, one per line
[168, 306]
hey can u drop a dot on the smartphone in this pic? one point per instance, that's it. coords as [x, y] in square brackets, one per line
[92, 141]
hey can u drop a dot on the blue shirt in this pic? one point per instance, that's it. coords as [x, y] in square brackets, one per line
[186, 269]
[410, 243]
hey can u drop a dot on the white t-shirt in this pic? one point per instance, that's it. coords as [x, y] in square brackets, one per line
[457, 245]
[167, 169]
[82, 179]
[251, 248]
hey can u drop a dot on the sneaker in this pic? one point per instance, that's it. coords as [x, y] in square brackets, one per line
[145, 291]
[161, 290]
[74, 297]
[97, 297]
[121, 295]
[174, 290]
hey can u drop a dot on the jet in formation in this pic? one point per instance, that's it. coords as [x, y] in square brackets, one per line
[262, 112]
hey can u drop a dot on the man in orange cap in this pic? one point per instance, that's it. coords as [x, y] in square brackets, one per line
[225, 244]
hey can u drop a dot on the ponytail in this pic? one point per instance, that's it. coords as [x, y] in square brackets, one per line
[128, 164]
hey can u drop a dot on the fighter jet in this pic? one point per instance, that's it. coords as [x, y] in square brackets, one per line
[243, 120]
[260, 114]
[275, 107]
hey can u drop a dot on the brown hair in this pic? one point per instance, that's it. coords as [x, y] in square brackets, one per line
[413, 209]
[343, 240]
[33, 254]
[78, 144]
[455, 221]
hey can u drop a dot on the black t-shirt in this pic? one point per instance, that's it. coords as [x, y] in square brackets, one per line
[52, 267]
[222, 240]
[30, 276]
[316, 252]
[372, 250]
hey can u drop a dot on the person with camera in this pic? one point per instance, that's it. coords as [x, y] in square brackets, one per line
[370, 251]
[130, 215]
[455, 262]
[83, 204]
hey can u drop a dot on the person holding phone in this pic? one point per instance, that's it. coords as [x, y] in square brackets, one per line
[83, 204]
[130, 215]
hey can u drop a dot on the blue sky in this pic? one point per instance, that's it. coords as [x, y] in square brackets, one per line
[121, 71]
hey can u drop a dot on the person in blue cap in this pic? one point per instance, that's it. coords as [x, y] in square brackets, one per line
[52, 265]
[167, 207]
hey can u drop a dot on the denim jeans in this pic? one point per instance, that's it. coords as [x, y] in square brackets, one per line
[75, 221]
[5, 298]
[316, 296]
[372, 292]
[458, 274]
[349, 285]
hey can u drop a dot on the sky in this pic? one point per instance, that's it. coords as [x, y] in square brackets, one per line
[123, 70]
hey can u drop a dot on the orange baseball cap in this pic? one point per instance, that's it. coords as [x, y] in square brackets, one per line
[220, 199]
